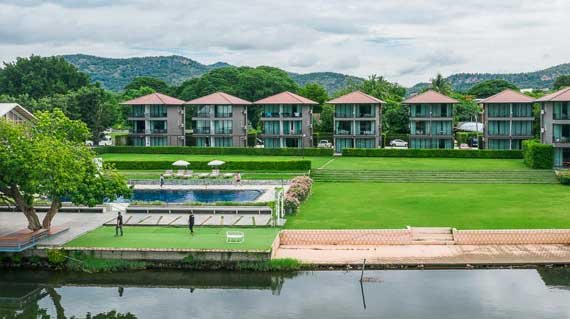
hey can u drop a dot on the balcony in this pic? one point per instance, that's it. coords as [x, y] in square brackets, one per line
[158, 131]
[365, 132]
[202, 114]
[158, 114]
[137, 131]
[292, 114]
[202, 130]
[343, 115]
[136, 114]
[366, 115]
[270, 115]
[341, 131]
[561, 139]
[223, 114]
[223, 131]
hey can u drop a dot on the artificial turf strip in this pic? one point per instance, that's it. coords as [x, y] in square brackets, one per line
[397, 205]
[175, 237]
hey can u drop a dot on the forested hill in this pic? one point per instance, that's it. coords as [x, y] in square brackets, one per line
[114, 74]
[530, 80]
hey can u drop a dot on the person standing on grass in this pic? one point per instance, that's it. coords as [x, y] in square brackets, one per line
[238, 178]
[119, 225]
[191, 223]
[161, 180]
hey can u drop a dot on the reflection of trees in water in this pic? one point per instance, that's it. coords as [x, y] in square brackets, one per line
[555, 277]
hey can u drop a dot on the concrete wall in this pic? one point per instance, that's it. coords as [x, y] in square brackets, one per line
[511, 237]
[239, 120]
[175, 125]
[346, 237]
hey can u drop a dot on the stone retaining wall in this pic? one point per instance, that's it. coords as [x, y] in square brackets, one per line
[346, 237]
[511, 237]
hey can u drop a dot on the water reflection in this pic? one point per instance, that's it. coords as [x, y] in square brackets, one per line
[334, 294]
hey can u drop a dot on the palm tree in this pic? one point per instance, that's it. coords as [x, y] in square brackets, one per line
[440, 84]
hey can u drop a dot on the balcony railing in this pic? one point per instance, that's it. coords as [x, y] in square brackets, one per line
[291, 114]
[365, 132]
[343, 132]
[223, 114]
[159, 131]
[343, 115]
[158, 114]
[293, 132]
[270, 114]
[136, 114]
[561, 139]
[202, 130]
[223, 131]
[202, 114]
[137, 131]
[366, 115]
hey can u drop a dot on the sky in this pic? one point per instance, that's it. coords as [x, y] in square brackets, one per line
[406, 41]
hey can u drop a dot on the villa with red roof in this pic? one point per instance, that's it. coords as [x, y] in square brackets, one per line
[287, 120]
[156, 120]
[219, 120]
[555, 124]
[508, 120]
[357, 121]
[431, 120]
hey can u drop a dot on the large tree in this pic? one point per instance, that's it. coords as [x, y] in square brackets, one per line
[561, 81]
[315, 92]
[157, 85]
[440, 84]
[49, 160]
[40, 76]
[488, 88]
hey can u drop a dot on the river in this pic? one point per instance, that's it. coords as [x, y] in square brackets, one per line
[500, 293]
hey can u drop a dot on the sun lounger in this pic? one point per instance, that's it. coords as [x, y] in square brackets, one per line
[188, 174]
[180, 173]
[215, 173]
[168, 173]
[203, 175]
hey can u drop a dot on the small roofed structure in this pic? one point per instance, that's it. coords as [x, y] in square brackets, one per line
[287, 120]
[508, 96]
[156, 119]
[357, 121]
[219, 120]
[430, 97]
[15, 112]
[562, 95]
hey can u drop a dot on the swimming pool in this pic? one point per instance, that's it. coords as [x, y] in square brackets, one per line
[202, 195]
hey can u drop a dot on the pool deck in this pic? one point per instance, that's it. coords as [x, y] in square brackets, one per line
[268, 190]
[428, 254]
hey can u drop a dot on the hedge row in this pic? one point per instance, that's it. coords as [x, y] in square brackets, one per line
[215, 150]
[381, 152]
[303, 165]
[537, 155]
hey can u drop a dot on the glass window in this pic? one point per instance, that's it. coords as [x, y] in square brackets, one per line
[522, 128]
[202, 127]
[203, 141]
[522, 110]
[158, 127]
[498, 128]
[342, 143]
[365, 143]
[561, 133]
[343, 110]
[139, 141]
[499, 110]
[158, 111]
[137, 111]
[292, 142]
[158, 141]
[271, 128]
[562, 110]
[343, 128]
[271, 111]
[366, 110]
[364, 127]
[441, 127]
[292, 127]
[272, 143]
[223, 111]
[223, 127]
[203, 111]
[223, 142]
[499, 144]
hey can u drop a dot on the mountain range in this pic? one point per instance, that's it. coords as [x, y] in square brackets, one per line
[114, 74]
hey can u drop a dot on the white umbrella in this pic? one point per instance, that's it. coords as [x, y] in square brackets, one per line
[180, 163]
[216, 163]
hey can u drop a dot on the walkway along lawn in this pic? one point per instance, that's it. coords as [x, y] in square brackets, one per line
[175, 237]
[472, 206]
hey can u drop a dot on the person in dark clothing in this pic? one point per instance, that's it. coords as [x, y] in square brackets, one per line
[119, 225]
[191, 223]
[161, 180]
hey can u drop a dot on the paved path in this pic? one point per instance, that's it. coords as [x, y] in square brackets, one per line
[428, 254]
[200, 220]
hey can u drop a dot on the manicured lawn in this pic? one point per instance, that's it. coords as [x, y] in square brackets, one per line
[443, 164]
[316, 161]
[155, 174]
[175, 237]
[472, 206]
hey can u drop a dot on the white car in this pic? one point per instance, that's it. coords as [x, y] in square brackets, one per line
[398, 143]
[324, 144]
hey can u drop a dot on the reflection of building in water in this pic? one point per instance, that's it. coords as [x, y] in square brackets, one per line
[16, 297]
[555, 277]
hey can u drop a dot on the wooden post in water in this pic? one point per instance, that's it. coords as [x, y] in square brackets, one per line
[362, 272]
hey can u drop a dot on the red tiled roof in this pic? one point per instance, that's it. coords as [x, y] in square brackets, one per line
[429, 97]
[562, 95]
[356, 97]
[508, 96]
[285, 98]
[156, 99]
[219, 98]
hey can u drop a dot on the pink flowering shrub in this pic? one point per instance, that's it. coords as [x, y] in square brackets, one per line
[299, 190]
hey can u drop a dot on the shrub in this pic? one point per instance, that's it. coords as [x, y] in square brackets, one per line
[282, 264]
[56, 256]
[291, 203]
[537, 155]
[448, 153]
[465, 137]
[215, 150]
[300, 165]
[299, 190]
[564, 177]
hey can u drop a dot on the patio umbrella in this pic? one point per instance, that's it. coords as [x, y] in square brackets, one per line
[216, 163]
[180, 163]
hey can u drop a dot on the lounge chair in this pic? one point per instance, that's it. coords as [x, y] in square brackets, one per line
[215, 173]
[203, 175]
[188, 174]
[168, 173]
[180, 173]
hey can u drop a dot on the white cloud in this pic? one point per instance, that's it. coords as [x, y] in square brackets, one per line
[406, 41]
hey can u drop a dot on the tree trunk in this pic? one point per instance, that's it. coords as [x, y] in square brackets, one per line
[56, 299]
[53, 209]
[29, 211]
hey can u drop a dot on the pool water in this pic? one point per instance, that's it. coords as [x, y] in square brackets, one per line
[204, 196]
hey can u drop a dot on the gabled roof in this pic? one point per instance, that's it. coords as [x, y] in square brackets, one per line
[356, 97]
[155, 99]
[285, 98]
[508, 96]
[7, 107]
[562, 95]
[430, 97]
[218, 98]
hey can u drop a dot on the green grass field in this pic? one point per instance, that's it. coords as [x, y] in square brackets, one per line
[315, 161]
[440, 164]
[473, 206]
[175, 237]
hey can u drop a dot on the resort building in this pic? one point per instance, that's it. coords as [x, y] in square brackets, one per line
[431, 120]
[357, 121]
[15, 112]
[555, 124]
[156, 120]
[287, 120]
[507, 120]
[219, 120]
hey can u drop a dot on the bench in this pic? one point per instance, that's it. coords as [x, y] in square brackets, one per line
[226, 210]
[235, 237]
